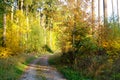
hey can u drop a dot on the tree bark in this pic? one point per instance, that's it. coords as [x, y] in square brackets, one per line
[12, 9]
[21, 6]
[118, 13]
[112, 11]
[99, 27]
[99, 12]
[105, 12]
[93, 16]
[4, 30]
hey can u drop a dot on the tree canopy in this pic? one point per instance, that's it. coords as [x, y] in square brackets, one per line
[86, 43]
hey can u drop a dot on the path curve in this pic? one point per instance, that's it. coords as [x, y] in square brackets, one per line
[39, 69]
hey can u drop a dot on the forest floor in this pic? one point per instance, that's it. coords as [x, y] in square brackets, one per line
[40, 69]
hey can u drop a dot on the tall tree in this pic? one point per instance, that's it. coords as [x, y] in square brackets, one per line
[21, 5]
[99, 12]
[12, 9]
[99, 27]
[4, 26]
[118, 13]
[93, 16]
[4, 30]
[49, 10]
[105, 12]
[112, 10]
[27, 3]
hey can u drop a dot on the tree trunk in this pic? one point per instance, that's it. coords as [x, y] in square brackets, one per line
[113, 19]
[118, 12]
[105, 32]
[99, 27]
[112, 11]
[45, 36]
[21, 6]
[50, 29]
[45, 29]
[50, 42]
[4, 30]
[27, 20]
[99, 12]
[93, 16]
[105, 12]
[12, 9]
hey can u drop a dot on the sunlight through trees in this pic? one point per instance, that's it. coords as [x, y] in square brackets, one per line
[87, 43]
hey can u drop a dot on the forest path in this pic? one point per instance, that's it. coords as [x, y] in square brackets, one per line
[40, 69]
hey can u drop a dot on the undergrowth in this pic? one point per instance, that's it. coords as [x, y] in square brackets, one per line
[81, 73]
[68, 72]
[11, 68]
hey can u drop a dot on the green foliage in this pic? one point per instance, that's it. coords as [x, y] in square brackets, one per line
[5, 6]
[55, 60]
[35, 37]
[28, 2]
[87, 46]
[85, 53]
[26, 30]
[69, 73]
[13, 67]
[41, 26]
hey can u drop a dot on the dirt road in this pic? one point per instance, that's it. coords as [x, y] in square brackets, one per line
[39, 69]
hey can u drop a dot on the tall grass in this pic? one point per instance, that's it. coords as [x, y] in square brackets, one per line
[11, 68]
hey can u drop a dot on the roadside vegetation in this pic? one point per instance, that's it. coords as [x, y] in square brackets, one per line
[68, 72]
[12, 67]
[86, 35]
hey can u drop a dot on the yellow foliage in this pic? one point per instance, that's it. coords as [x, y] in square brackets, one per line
[19, 13]
[111, 44]
[105, 44]
[112, 49]
[5, 52]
